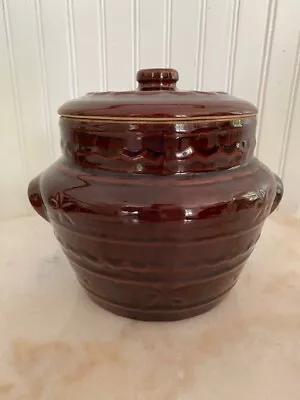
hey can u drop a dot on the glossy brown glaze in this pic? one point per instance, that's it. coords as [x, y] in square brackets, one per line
[157, 213]
[156, 98]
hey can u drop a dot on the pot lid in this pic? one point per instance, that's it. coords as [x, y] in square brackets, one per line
[157, 99]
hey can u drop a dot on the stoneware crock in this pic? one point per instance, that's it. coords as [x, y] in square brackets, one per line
[157, 200]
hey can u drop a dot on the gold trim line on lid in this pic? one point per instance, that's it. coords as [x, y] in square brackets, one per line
[146, 120]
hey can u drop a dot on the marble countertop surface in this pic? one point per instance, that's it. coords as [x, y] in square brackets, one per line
[56, 344]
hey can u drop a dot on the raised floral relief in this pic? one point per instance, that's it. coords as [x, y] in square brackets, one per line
[165, 295]
[64, 206]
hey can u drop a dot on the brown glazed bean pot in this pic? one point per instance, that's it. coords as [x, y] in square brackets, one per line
[157, 200]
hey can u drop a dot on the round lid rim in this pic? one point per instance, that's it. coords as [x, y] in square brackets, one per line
[158, 105]
[202, 118]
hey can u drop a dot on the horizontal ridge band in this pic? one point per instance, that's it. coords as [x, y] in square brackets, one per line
[154, 310]
[159, 243]
[156, 283]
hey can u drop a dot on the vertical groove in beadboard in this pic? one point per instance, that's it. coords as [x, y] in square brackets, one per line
[232, 45]
[291, 110]
[13, 76]
[72, 49]
[102, 40]
[135, 40]
[201, 43]
[45, 89]
[265, 65]
[168, 33]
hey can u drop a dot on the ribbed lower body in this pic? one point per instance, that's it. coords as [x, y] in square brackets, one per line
[163, 306]
[157, 315]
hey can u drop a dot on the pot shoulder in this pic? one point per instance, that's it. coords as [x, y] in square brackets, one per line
[247, 190]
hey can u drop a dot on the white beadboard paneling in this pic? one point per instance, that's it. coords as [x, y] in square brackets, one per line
[72, 48]
[58, 71]
[200, 51]
[234, 26]
[218, 37]
[152, 33]
[135, 39]
[278, 87]
[119, 51]
[184, 41]
[265, 63]
[102, 43]
[45, 88]
[26, 53]
[87, 44]
[168, 32]
[289, 167]
[291, 109]
[13, 177]
[253, 18]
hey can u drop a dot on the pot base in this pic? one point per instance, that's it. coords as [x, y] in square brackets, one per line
[156, 315]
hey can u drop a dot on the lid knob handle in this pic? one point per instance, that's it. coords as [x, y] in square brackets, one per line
[157, 79]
